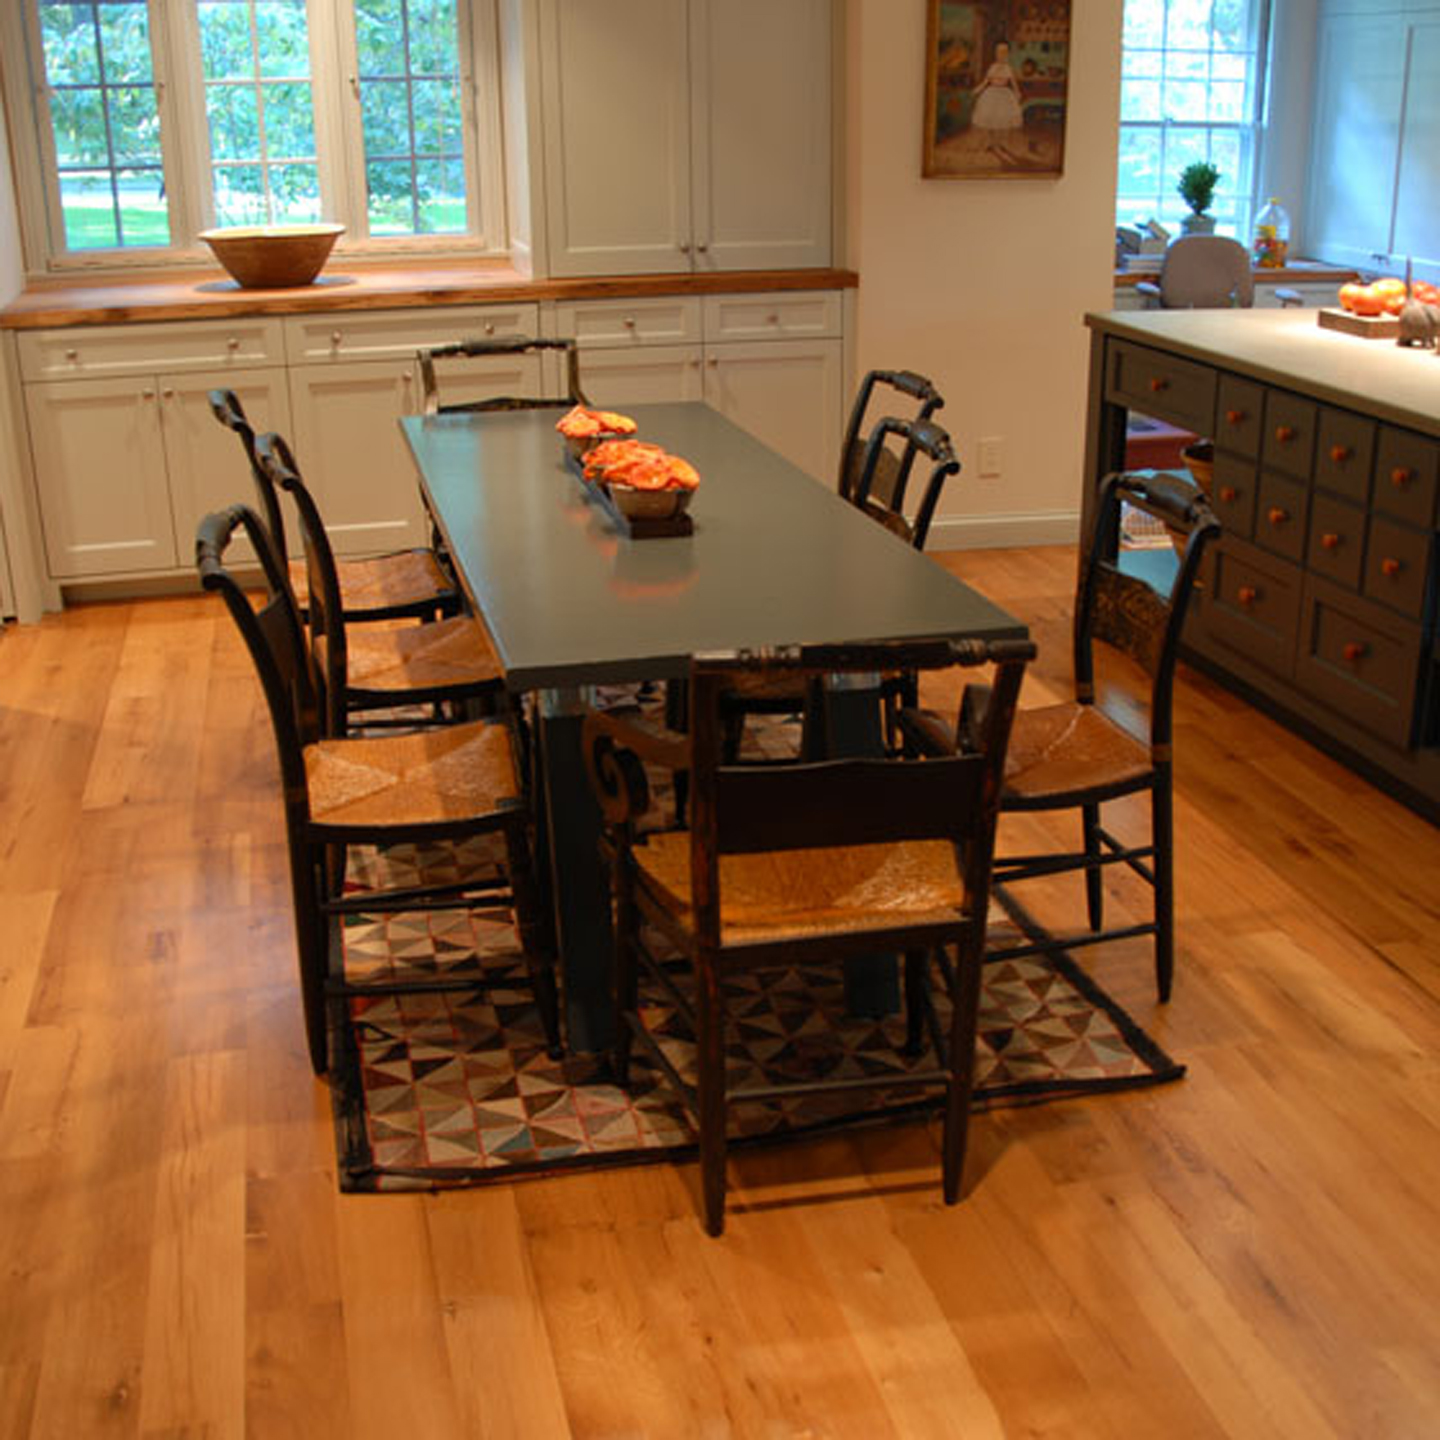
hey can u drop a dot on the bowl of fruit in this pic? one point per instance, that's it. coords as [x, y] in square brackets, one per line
[584, 428]
[643, 481]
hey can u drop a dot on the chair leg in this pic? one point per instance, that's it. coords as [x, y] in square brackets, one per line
[624, 982]
[1162, 821]
[710, 1080]
[915, 963]
[1094, 879]
[964, 1024]
[536, 936]
[312, 940]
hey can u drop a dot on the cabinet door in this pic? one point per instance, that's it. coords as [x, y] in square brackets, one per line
[617, 136]
[100, 473]
[648, 374]
[760, 106]
[349, 449]
[784, 392]
[206, 464]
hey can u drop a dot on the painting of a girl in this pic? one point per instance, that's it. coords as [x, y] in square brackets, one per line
[997, 116]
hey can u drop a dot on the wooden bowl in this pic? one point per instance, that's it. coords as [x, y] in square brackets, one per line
[273, 257]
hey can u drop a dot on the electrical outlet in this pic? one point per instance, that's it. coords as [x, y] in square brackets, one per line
[991, 455]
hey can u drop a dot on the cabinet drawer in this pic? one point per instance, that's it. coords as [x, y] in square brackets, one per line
[392, 334]
[1359, 661]
[1337, 540]
[1160, 385]
[1238, 412]
[1280, 506]
[776, 316]
[1397, 562]
[1406, 466]
[1289, 441]
[94, 352]
[667, 320]
[1344, 450]
[1252, 605]
[1233, 495]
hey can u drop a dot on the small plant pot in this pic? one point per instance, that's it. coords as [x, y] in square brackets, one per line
[1197, 225]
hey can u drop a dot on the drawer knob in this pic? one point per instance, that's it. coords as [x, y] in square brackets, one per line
[683, 248]
[1277, 516]
[72, 354]
[1247, 595]
[1353, 650]
[772, 319]
[1390, 567]
[1234, 417]
[147, 394]
[1284, 433]
[628, 322]
[1158, 383]
[1229, 494]
[489, 327]
[1400, 477]
[703, 246]
[1340, 453]
[1330, 540]
[335, 337]
[232, 342]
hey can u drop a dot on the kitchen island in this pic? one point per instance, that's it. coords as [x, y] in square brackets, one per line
[1320, 602]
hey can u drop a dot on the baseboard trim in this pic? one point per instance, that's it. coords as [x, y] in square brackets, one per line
[1005, 532]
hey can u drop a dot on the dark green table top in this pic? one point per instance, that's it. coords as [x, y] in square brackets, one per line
[776, 557]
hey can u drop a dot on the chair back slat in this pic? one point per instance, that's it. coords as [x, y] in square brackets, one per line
[1129, 614]
[916, 388]
[226, 407]
[499, 345]
[919, 437]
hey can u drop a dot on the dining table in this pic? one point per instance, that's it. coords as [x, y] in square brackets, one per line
[775, 557]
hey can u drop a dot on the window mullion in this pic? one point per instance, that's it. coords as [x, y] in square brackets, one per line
[183, 128]
[330, 98]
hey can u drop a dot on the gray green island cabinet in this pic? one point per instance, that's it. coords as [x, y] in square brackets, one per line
[1319, 604]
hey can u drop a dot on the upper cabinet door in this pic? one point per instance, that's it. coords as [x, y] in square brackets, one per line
[617, 135]
[761, 131]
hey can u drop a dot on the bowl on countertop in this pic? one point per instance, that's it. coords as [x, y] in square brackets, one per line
[649, 504]
[273, 257]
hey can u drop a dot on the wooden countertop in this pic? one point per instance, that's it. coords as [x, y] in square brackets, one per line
[210, 294]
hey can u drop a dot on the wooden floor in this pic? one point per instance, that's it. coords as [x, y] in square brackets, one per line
[1254, 1251]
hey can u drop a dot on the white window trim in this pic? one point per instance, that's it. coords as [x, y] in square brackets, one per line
[185, 148]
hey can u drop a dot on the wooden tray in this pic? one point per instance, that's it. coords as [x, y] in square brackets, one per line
[1372, 327]
[633, 528]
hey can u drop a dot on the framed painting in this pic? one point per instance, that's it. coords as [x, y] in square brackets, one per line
[996, 77]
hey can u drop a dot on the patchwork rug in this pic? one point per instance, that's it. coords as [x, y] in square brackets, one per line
[436, 1088]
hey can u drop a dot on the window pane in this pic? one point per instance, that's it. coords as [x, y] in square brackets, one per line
[105, 122]
[412, 115]
[257, 95]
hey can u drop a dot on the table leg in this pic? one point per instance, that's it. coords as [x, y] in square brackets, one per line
[853, 727]
[579, 887]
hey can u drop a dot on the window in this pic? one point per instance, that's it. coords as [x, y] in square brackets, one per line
[155, 119]
[1191, 88]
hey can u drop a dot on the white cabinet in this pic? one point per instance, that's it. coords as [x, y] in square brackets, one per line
[1375, 148]
[686, 134]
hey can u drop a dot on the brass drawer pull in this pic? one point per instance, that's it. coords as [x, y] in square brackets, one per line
[1340, 453]
[1390, 568]
[1353, 650]
[1284, 433]
[1229, 494]
[1400, 477]
[1277, 516]
[1234, 417]
[1330, 540]
[1247, 595]
[1158, 383]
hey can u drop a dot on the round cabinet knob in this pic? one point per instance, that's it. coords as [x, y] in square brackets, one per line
[683, 247]
[1276, 516]
[772, 319]
[1158, 383]
[628, 322]
[335, 337]
[488, 327]
[1353, 650]
[1234, 417]
[703, 246]
[1284, 433]
[147, 394]
[1247, 595]
[1400, 477]
[1229, 494]
[232, 342]
[712, 362]
[168, 393]
[1340, 453]
[1390, 567]
[1330, 540]
[72, 354]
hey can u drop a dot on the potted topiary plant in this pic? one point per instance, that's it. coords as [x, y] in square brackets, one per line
[1197, 189]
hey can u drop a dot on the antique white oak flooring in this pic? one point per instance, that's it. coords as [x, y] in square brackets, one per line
[1254, 1251]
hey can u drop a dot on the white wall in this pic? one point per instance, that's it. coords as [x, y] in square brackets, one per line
[982, 284]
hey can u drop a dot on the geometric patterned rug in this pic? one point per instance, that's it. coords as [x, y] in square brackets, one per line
[455, 1088]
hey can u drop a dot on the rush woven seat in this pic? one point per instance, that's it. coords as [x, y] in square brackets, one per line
[1075, 755]
[807, 865]
[434, 786]
[406, 584]
[444, 663]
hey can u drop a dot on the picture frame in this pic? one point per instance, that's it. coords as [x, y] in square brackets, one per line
[997, 78]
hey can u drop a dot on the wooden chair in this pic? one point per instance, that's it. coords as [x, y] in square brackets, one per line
[1206, 272]
[803, 865]
[429, 786]
[916, 390]
[500, 345]
[406, 584]
[376, 668]
[1073, 755]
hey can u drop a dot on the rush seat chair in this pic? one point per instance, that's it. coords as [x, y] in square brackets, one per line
[499, 345]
